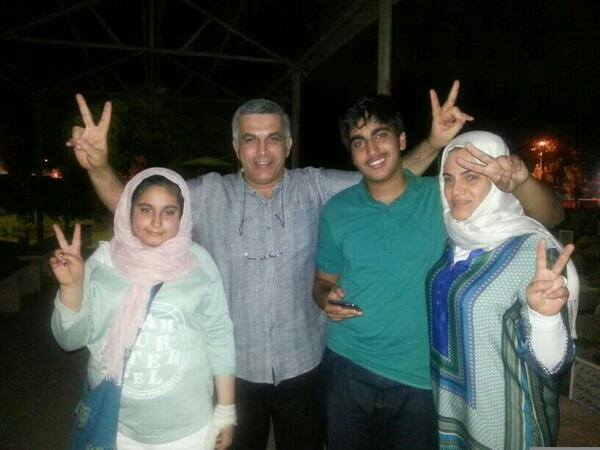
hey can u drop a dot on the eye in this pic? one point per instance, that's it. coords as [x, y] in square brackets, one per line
[472, 177]
[447, 179]
[248, 139]
[145, 209]
[170, 211]
[274, 138]
[381, 135]
[357, 143]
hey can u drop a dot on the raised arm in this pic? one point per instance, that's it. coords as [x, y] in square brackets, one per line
[510, 174]
[90, 146]
[540, 202]
[446, 121]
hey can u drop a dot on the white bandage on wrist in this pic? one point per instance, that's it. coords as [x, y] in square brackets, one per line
[224, 415]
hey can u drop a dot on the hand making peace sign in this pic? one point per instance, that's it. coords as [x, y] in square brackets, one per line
[547, 293]
[506, 172]
[90, 143]
[67, 263]
[447, 119]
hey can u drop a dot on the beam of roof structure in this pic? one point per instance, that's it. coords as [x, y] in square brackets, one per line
[49, 17]
[358, 16]
[204, 78]
[87, 73]
[222, 46]
[195, 35]
[139, 48]
[105, 25]
[241, 35]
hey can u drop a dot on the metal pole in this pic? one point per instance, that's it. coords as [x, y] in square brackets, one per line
[296, 86]
[384, 84]
[152, 57]
[37, 165]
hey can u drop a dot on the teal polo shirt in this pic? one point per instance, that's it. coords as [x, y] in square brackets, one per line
[382, 254]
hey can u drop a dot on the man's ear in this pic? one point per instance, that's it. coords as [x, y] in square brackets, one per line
[235, 148]
[289, 143]
[402, 141]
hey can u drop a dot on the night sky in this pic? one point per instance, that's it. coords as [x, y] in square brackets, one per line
[528, 69]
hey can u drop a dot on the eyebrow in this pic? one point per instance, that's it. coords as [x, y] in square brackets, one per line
[381, 128]
[276, 133]
[460, 173]
[152, 206]
[356, 137]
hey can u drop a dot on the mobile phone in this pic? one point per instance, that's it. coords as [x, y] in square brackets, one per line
[344, 304]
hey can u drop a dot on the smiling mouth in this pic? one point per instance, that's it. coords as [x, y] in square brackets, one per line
[376, 163]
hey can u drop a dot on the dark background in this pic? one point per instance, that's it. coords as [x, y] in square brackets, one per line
[528, 70]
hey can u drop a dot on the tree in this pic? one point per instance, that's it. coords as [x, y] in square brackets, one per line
[149, 128]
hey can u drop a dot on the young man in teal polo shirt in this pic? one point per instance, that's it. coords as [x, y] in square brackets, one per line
[377, 241]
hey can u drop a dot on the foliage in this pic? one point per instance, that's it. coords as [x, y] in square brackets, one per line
[150, 128]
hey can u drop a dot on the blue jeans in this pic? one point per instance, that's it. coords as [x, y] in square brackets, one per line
[370, 412]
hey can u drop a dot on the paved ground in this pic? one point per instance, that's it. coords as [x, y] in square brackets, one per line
[40, 385]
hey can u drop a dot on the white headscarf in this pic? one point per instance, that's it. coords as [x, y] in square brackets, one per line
[499, 216]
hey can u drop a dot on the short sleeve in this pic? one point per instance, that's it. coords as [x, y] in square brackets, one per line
[329, 253]
[330, 182]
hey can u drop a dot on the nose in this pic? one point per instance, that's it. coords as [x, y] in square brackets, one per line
[156, 220]
[262, 147]
[369, 148]
[456, 187]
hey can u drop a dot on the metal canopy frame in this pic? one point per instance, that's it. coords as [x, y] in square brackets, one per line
[355, 17]
[352, 19]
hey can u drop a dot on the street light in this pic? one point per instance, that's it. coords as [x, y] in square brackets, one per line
[540, 148]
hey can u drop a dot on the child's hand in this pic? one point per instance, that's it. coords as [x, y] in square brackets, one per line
[225, 438]
[547, 293]
[67, 263]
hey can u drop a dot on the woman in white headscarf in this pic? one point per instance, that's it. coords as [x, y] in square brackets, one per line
[500, 334]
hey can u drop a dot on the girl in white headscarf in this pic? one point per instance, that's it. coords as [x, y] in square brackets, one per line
[499, 331]
[150, 307]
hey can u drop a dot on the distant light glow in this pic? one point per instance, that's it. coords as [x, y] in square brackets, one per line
[53, 173]
[540, 147]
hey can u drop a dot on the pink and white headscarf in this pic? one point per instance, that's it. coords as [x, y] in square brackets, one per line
[144, 266]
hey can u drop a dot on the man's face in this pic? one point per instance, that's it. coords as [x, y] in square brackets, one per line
[376, 150]
[262, 148]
